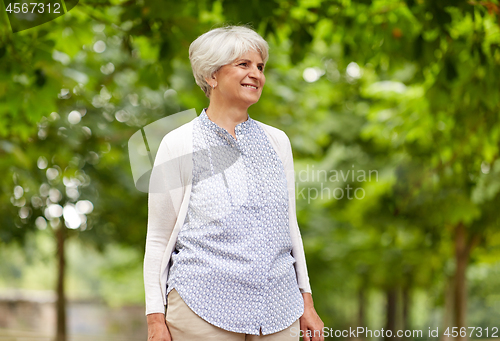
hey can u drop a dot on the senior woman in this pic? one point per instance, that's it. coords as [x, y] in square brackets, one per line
[223, 249]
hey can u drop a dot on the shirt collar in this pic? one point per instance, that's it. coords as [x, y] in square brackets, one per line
[240, 127]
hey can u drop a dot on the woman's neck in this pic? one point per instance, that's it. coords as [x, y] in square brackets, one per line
[226, 116]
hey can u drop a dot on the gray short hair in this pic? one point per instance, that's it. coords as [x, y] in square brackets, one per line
[221, 46]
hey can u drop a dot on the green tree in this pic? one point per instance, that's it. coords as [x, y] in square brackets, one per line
[407, 88]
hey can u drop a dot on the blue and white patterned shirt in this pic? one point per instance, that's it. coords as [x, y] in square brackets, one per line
[232, 262]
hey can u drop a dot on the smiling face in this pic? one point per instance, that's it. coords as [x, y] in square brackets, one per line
[240, 83]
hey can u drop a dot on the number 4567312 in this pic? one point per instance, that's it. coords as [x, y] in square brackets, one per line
[30, 8]
[479, 332]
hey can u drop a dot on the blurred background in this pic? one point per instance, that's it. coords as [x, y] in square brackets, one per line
[392, 108]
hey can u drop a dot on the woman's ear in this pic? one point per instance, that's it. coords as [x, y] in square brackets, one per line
[212, 81]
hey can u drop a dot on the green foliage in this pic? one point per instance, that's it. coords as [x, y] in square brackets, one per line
[408, 89]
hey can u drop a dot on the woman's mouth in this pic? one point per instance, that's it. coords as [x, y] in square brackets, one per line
[249, 86]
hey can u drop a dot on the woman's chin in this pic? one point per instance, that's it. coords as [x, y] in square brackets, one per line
[246, 102]
[253, 100]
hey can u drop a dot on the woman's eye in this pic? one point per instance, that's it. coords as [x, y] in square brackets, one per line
[259, 67]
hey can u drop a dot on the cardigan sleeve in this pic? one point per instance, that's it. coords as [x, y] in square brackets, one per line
[297, 245]
[161, 220]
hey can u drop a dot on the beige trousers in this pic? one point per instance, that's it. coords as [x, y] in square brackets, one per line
[185, 325]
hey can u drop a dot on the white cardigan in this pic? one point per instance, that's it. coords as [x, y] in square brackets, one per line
[167, 209]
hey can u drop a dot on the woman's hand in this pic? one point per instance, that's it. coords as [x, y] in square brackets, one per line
[310, 323]
[157, 328]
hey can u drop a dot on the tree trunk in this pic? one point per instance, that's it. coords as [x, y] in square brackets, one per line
[61, 302]
[391, 313]
[406, 307]
[449, 293]
[460, 295]
[361, 306]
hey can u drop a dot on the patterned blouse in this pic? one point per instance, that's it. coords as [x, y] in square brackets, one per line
[232, 263]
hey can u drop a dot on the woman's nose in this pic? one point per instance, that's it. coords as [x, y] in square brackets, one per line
[255, 72]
